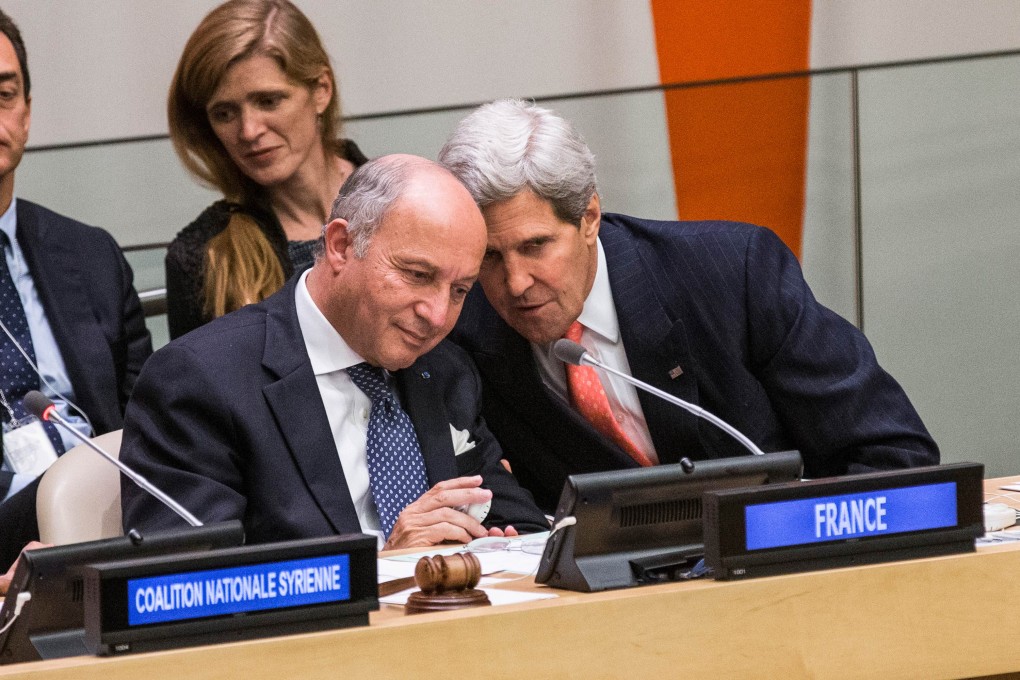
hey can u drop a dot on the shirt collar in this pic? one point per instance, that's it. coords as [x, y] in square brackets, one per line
[327, 350]
[599, 313]
[9, 221]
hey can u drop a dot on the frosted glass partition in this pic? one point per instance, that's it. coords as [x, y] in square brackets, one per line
[940, 160]
[939, 165]
[829, 241]
[147, 266]
[150, 278]
[137, 191]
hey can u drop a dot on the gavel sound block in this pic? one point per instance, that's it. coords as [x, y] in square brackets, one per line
[446, 583]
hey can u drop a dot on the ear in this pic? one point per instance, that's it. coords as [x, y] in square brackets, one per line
[28, 114]
[339, 247]
[322, 91]
[591, 220]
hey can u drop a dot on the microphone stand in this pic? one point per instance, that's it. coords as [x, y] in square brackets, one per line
[567, 350]
[49, 413]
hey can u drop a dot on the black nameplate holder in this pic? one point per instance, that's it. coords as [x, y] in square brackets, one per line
[230, 594]
[843, 521]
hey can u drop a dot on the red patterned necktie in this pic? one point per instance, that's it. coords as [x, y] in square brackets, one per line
[589, 398]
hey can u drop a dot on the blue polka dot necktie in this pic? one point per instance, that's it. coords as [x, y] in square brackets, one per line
[396, 469]
[16, 374]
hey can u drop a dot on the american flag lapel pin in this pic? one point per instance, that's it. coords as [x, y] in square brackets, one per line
[676, 372]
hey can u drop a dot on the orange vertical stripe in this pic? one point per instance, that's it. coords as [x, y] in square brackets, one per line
[739, 151]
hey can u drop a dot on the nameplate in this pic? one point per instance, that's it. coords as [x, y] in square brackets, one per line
[843, 521]
[202, 594]
[230, 594]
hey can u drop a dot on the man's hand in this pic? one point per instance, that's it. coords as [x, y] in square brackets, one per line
[433, 518]
[5, 580]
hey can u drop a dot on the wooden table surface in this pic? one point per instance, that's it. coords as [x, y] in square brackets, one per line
[943, 617]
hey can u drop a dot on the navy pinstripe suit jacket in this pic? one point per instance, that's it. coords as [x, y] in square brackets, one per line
[727, 303]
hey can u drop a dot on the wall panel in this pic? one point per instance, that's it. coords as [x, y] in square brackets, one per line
[941, 167]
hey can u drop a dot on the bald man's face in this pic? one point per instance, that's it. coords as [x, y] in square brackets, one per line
[404, 296]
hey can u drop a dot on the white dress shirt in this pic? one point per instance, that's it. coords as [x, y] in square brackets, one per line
[601, 338]
[347, 407]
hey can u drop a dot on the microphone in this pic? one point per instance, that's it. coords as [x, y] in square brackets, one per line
[39, 405]
[570, 352]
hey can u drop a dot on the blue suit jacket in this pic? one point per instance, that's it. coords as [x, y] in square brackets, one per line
[85, 286]
[229, 421]
[727, 305]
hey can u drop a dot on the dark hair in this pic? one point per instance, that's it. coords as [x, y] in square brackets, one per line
[10, 29]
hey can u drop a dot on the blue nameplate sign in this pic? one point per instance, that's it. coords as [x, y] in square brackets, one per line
[230, 594]
[843, 521]
[273, 585]
[831, 518]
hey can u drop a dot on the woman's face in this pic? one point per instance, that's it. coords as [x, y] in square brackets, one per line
[267, 122]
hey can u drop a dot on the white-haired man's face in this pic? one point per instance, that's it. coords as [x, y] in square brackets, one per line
[538, 269]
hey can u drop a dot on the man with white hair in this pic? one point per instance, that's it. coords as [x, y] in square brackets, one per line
[716, 313]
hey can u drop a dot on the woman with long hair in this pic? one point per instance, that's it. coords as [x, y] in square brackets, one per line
[254, 112]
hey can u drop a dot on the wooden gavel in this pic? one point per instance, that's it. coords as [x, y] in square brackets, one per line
[438, 574]
[447, 582]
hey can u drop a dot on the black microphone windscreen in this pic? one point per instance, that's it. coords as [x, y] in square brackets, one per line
[36, 403]
[569, 351]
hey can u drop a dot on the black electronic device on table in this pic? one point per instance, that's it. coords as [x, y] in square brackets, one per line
[51, 623]
[230, 594]
[644, 525]
[844, 521]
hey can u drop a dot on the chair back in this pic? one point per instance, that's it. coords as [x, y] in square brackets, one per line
[79, 495]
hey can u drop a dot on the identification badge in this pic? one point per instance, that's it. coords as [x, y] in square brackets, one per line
[27, 449]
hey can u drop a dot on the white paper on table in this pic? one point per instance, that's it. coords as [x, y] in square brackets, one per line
[389, 569]
[998, 537]
[509, 560]
[516, 561]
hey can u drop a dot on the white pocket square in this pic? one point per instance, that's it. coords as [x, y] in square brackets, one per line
[461, 441]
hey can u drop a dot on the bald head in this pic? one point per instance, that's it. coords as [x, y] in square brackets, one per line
[401, 251]
[372, 189]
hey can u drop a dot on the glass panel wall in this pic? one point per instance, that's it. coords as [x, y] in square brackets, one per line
[938, 165]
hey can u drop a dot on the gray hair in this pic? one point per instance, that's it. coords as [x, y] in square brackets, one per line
[368, 194]
[510, 145]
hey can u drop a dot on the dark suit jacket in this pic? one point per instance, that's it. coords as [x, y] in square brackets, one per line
[85, 286]
[727, 304]
[228, 420]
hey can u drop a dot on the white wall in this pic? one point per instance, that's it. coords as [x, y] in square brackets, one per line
[101, 68]
[828, 243]
[860, 32]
